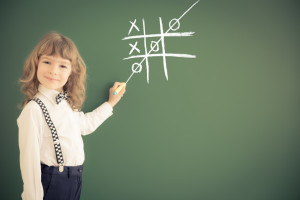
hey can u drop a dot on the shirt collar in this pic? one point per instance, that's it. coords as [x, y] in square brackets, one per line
[50, 94]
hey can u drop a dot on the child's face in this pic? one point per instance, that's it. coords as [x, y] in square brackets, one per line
[53, 72]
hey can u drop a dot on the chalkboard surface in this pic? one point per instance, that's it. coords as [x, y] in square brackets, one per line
[221, 126]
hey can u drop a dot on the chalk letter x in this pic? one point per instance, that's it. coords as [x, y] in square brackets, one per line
[134, 48]
[133, 25]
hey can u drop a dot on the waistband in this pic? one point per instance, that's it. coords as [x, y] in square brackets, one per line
[68, 170]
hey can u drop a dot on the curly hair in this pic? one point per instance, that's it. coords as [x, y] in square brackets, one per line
[53, 44]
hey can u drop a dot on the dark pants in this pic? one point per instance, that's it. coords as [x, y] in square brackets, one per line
[64, 185]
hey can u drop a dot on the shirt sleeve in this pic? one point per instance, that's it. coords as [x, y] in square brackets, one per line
[90, 121]
[29, 123]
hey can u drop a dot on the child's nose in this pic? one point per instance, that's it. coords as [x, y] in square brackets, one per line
[54, 69]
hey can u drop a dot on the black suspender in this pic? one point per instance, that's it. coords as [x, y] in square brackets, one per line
[57, 147]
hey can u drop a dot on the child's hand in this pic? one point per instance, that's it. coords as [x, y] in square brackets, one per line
[114, 99]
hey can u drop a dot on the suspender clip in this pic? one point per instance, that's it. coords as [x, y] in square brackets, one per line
[61, 168]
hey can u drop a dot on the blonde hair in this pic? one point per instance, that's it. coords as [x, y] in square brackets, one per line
[53, 44]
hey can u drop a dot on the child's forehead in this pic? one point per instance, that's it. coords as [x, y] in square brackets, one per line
[57, 58]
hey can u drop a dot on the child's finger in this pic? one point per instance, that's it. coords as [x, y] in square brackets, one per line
[118, 88]
[116, 84]
[122, 91]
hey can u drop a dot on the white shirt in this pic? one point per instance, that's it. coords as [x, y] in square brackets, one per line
[35, 139]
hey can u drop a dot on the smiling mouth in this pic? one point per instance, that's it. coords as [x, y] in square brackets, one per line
[51, 79]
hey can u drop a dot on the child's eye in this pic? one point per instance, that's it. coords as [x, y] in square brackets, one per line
[63, 66]
[46, 62]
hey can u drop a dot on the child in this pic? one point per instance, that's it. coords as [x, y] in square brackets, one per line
[51, 124]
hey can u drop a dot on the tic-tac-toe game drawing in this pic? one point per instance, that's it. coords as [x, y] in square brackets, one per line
[157, 44]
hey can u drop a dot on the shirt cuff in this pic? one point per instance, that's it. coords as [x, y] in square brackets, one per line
[105, 109]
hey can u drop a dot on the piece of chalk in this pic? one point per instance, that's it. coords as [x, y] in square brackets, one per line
[119, 89]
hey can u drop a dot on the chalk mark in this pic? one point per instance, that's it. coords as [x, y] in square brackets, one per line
[134, 48]
[158, 35]
[160, 55]
[133, 26]
[145, 57]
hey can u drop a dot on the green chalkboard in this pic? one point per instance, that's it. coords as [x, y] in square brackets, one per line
[223, 126]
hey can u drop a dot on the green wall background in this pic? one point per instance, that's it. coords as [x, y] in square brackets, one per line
[225, 126]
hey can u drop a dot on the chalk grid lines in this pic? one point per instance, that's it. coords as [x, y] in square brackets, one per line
[137, 67]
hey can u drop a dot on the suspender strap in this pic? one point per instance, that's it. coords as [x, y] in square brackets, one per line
[57, 147]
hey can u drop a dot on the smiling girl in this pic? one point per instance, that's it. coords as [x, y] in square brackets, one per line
[51, 123]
